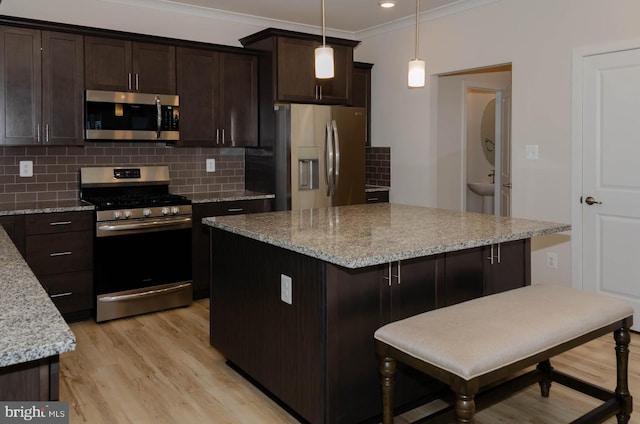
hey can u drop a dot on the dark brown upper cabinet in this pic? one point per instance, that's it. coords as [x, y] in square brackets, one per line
[362, 91]
[292, 74]
[218, 98]
[41, 73]
[123, 65]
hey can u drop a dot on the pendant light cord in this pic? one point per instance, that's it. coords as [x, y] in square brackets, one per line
[417, 14]
[323, 26]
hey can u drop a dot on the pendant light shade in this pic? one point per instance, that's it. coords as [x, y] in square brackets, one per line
[417, 73]
[324, 62]
[324, 55]
[417, 68]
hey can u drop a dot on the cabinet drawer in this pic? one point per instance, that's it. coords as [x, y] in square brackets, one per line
[60, 253]
[48, 223]
[71, 292]
[238, 207]
[377, 196]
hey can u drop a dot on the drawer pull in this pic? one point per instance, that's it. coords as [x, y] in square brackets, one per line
[235, 209]
[60, 223]
[61, 295]
[373, 199]
[59, 254]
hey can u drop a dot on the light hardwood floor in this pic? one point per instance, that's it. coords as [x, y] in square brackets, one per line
[160, 368]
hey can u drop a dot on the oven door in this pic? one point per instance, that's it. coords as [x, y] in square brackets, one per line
[142, 272]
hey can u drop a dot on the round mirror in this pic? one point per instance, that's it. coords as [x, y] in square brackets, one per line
[488, 131]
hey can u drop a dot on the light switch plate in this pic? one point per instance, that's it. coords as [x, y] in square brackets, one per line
[26, 168]
[211, 165]
[531, 151]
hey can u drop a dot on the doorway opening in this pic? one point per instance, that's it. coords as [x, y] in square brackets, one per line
[474, 138]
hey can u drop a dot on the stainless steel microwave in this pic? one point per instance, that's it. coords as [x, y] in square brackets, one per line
[113, 115]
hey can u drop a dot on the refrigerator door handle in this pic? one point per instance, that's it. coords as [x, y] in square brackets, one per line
[328, 156]
[336, 141]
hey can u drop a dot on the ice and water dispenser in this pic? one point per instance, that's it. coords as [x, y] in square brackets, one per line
[308, 167]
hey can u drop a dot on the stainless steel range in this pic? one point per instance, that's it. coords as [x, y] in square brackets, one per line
[142, 259]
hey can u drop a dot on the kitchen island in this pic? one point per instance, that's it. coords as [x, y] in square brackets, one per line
[32, 332]
[297, 295]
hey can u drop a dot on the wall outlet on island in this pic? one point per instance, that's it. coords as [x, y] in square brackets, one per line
[552, 260]
[286, 294]
[211, 165]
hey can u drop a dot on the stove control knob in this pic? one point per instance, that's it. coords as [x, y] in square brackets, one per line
[146, 212]
[117, 215]
[127, 214]
[174, 210]
[165, 211]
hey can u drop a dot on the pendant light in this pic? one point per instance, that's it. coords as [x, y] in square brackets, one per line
[324, 55]
[416, 76]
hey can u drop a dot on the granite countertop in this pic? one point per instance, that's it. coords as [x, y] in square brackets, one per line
[30, 325]
[227, 196]
[363, 235]
[47, 206]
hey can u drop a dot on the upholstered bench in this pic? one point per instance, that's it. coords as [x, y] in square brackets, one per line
[481, 348]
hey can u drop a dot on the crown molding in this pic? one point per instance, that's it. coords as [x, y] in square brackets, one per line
[185, 9]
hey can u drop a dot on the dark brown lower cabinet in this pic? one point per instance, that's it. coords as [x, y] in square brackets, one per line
[14, 226]
[200, 236]
[30, 381]
[316, 355]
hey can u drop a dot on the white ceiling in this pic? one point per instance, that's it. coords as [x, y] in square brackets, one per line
[342, 15]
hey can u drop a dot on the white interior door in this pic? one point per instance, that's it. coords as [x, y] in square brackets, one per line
[505, 156]
[611, 175]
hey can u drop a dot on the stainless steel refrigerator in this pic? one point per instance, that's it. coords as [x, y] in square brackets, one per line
[319, 156]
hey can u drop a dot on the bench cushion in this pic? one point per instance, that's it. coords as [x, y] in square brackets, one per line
[482, 335]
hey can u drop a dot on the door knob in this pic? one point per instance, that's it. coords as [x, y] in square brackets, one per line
[591, 201]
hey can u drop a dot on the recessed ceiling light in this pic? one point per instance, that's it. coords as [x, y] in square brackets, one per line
[387, 4]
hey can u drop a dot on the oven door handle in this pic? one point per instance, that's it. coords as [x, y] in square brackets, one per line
[153, 292]
[147, 225]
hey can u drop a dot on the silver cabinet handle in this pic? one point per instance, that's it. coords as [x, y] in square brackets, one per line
[38, 133]
[491, 255]
[235, 209]
[53, 296]
[137, 82]
[372, 199]
[129, 80]
[223, 136]
[59, 254]
[217, 135]
[46, 133]
[59, 223]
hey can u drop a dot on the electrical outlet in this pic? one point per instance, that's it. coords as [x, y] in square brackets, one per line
[211, 165]
[531, 151]
[286, 294]
[552, 260]
[26, 168]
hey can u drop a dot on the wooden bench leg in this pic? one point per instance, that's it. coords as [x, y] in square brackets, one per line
[622, 338]
[465, 408]
[387, 372]
[545, 369]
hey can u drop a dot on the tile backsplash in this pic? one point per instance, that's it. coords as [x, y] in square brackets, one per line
[56, 168]
[379, 166]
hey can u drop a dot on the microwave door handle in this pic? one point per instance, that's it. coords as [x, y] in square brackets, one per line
[159, 117]
[336, 141]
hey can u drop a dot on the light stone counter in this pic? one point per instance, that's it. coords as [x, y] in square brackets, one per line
[363, 235]
[30, 325]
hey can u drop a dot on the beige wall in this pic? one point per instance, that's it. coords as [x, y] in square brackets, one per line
[536, 36]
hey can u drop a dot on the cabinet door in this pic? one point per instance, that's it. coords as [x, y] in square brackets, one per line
[154, 68]
[197, 80]
[239, 99]
[337, 90]
[513, 269]
[361, 92]
[107, 64]
[62, 88]
[20, 77]
[464, 275]
[296, 70]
